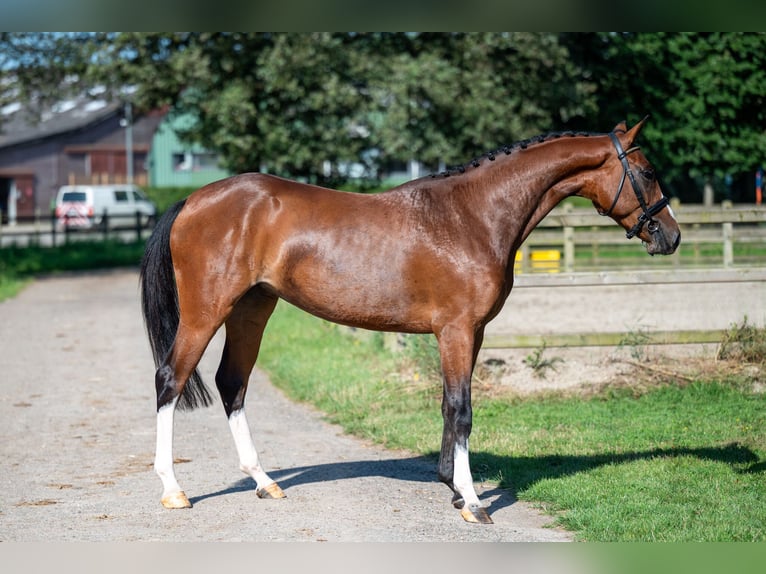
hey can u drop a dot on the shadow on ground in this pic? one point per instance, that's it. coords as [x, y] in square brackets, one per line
[524, 471]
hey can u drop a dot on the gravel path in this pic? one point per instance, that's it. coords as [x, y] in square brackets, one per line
[77, 429]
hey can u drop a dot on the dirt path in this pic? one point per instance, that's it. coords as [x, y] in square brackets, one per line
[77, 429]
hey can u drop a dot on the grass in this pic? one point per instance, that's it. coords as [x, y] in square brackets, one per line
[679, 462]
[18, 265]
[675, 464]
[354, 380]
[629, 254]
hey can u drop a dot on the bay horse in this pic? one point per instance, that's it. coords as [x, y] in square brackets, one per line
[434, 255]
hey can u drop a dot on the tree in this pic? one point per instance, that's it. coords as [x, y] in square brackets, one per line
[40, 68]
[292, 104]
[704, 93]
[450, 97]
[306, 105]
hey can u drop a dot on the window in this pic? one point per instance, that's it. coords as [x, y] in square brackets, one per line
[194, 161]
[205, 160]
[121, 196]
[73, 197]
[182, 162]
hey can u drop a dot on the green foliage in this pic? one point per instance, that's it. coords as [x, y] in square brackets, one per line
[703, 92]
[744, 342]
[40, 66]
[423, 351]
[308, 105]
[19, 264]
[164, 197]
[540, 364]
[636, 342]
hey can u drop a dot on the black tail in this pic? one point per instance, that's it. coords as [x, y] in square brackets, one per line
[159, 302]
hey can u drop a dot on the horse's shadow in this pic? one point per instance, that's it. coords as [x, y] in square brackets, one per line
[523, 471]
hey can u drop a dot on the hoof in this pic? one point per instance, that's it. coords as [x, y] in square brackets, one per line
[476, 514]
[176, 500]
[270, 491]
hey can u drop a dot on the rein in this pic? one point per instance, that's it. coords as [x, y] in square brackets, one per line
[646, 218]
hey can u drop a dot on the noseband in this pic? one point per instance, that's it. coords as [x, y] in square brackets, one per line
[648, 212]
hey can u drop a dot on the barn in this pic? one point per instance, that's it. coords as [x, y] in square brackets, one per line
[77, 140]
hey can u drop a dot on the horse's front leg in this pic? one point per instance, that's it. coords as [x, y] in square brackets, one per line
[458, 349]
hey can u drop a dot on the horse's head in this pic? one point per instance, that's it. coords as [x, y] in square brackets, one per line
[642, 210]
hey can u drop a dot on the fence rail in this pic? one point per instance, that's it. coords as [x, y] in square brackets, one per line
[601, 339]
[48, 231]
[752, 279]
[709, 236]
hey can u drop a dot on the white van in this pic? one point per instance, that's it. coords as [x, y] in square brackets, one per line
[85, 206]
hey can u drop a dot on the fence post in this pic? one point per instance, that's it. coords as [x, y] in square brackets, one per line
[728, 244]
[105, 224]
[38, 234]
[675, 205]
[53, 229]
[728, 239]
[569, 243]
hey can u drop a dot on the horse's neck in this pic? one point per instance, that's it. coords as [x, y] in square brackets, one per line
[550, 199]
[531, 184]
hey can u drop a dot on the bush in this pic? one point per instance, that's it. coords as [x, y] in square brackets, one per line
[744, 342]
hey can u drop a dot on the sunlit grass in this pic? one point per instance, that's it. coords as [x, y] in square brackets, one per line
[676, 463]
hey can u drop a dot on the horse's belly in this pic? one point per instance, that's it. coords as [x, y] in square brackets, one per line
[375, 299]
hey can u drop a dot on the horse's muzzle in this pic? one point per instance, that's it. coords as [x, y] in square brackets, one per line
[663, 241]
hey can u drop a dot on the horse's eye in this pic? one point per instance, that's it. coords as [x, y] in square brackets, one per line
[648, 173]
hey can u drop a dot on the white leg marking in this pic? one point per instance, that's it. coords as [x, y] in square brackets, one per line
[163, 455]
[462, 479]
[248, 456]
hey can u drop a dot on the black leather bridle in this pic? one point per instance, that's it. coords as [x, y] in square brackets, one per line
[646, 218]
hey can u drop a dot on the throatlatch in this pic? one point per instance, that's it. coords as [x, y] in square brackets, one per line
[646, 218]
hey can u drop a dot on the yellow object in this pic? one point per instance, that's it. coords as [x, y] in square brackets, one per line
[548, 260]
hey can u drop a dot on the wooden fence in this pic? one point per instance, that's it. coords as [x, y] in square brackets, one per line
[47, 231]
[708, 239]
[751, 276]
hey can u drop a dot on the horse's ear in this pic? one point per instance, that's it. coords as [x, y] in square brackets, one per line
[620, 128]
[632, 134]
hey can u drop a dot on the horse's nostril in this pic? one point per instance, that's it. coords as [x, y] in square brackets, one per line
[677, 242]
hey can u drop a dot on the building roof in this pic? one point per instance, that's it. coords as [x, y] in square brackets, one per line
[18, 126]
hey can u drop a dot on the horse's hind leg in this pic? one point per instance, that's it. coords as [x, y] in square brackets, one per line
[204, 304]
[170, 379]
[244, 331]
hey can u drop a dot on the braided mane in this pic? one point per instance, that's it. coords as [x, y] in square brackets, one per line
[508, 149]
